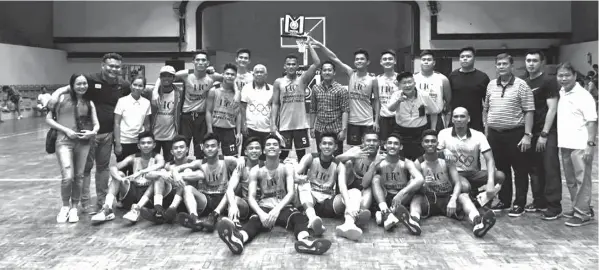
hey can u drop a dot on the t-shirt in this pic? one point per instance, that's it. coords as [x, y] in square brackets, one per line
[468, 90]
[164, 121]
[257, 112]
[105, 95]
[543, 88]
[465, 150]
[133, 113]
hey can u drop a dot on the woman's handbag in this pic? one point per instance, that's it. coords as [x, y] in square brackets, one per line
[51, 136]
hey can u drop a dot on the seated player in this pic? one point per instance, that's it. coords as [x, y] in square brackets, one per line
[207, 198]
[135, 190]
[272, 206]
[463, 145]
[392, 185]
[168, 185]
[319, 176]
[442, 189]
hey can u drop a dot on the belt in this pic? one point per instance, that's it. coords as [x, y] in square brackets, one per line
[194, 115]
[507, 130]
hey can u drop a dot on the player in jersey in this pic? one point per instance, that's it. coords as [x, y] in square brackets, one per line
[387, 83]
[442, 189]
[207, 197]
[396, 182]
[272, 205]
[289, 105]
[223, 112]
[364, 107]
[437, 86]
[244, 72]
[193, 109]
[133, 191]
[168, 185]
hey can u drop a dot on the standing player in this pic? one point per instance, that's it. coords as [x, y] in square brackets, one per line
[289, 105]
[396, 182]
[222, 112]
[442, 190]
[364, 106]
[244, 74]
[165, 114]
[272, 206]
[437, 86]
[388, 84]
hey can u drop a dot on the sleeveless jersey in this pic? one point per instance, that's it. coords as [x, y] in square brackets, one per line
[196, 91]
[360, 167]
[217, 177]
[322, 180]
[393, 176]
[292, 99]
[360, 100]
[244, 179]
[272, 185]
[172, 163]
[139, 164]
[432, 85]
[436, 177]
[164, 121]
[226, 108]
[387, 86]
[242, 79]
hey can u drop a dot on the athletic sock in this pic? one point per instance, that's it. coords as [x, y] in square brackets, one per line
[303, 234]
[383, 206]
[244, 236]
[415, 215]
[157, 199]
[109, 200]
[310, 213]
[349, 219]
[472, 216]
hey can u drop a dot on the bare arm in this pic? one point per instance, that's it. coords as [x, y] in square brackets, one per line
[376, 102]
[290, 183]
[117, 129]
[156, 166]
[209, 108]
[94, 118]
[342, 182]
[331, 55]
[55, 125]
[308, 74]
[446, 93]
[551, 113]
[232, 186]
[194, 165]
[274, 112]
[252, 186]
[243, 116]
[455, 179]
[528, 121]
[490, 168]
[116, 169]
[304, 164]
[417, 179]
[377, 190]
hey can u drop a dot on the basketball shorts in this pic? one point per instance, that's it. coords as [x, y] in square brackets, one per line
[297, 137]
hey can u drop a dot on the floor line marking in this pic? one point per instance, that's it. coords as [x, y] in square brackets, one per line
[30, 180]
[19, 134]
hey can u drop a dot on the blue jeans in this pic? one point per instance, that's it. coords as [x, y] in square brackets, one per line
[99, 152]
[545, 175]
[71, 155]
[578, 179]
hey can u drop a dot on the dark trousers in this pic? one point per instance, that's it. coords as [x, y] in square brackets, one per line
[128, 149]
[507, 155]
[193, 127]
[166, 147]
[289, 218]
[318, 138]
[411, 141]
[545, 174]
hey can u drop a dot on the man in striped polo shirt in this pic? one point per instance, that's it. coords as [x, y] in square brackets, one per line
[509, 107]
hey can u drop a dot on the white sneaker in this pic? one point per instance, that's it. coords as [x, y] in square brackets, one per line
[63, 215]
[73, 215]
[133, 215]
[349, 231]
[106, 214]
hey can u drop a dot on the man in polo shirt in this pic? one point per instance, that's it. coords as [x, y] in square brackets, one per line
[104, 89]
[255, 107]
[329, 107]
[545, 174]
[436, 85]
[469, 87]
[411, 108]
[576, 132]
[463, 146]
[510, 106]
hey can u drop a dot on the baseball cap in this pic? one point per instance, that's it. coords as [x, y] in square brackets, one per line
[168, 69]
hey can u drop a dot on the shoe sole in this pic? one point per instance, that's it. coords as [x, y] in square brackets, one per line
[183, 220]
[404, 217]
[170, 215]
[578, 224]
[318, 247]
[550, 218]
[149, 215]
[488, 220]
[515, 214]
[362, 218]
[352, 234]
[108, 218]
[499, 210]
[317, 227]
[226, 231]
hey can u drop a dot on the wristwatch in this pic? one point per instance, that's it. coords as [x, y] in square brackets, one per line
[591, 143]
[528, 134]
[544, 134]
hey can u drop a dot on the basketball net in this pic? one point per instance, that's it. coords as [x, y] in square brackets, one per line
[302, 44]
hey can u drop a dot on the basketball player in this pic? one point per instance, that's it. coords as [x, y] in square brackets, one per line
[437, 86]
[193, 110]
[387, 83]
[244, 74]
[396, 181]
[442, 189]
[165, 112]
[272, 206]
[289, 105]
[135, 190]
[363, 95]
[169, 183]
[207, 197]
[223, 113]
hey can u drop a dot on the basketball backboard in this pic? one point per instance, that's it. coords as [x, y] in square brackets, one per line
[318, 32]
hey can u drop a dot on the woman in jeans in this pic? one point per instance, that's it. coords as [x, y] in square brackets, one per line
[76, 123]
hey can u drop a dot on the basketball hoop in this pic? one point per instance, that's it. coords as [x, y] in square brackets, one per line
[302, 44]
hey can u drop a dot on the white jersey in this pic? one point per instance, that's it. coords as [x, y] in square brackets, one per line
[432, 85]
[387, 86]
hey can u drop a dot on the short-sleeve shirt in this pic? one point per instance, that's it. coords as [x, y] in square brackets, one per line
[543, 87]
[507, 104]
[105, 94]
[574, 110]
[133, 113]
[258, 105]
[467, 150]
[412, 113]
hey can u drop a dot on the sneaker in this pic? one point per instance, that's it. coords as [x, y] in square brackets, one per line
[577, 222]
[209, 222]
[91, 210]
[316, 226]
[550, 215]
[63, 215]
[133, 215]
[106, 214]
[363, 218]
[483, 224]
[349, 231]
[159, 211]
[229, 233]
[516, 211]
[500, 207]
[170, 215]
[568, 214]
[73, 215]
[311, 245]
[532, 207]
[404, 217]
[150, 215]
[378, 218]
[389, 220]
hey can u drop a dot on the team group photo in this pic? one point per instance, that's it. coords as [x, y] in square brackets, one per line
[323, 157]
